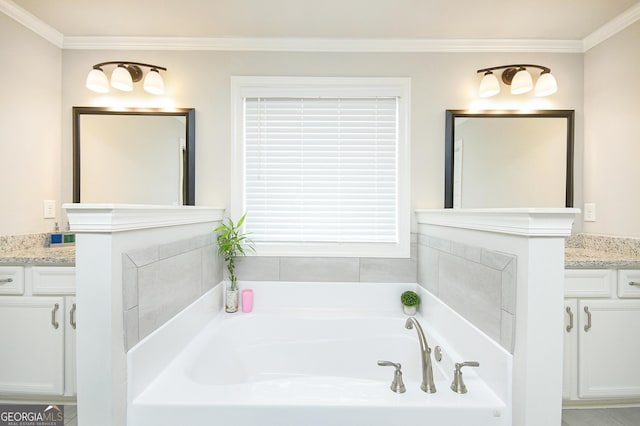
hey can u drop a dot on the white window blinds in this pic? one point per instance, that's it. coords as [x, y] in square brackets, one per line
[321, 169]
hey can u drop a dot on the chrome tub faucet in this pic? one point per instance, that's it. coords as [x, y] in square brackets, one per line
[427, 384]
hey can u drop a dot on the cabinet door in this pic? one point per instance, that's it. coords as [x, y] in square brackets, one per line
[570, 363]
[608, 348]
[32, 336]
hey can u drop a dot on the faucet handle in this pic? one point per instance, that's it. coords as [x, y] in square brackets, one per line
[397, 385]
[458, 384]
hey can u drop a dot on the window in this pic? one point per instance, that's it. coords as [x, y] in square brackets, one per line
[321, 165]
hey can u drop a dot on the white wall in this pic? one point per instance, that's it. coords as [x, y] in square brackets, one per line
[202, 80]
[612, 146]
[30, 128]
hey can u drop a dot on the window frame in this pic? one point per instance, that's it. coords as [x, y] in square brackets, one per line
[256, 86]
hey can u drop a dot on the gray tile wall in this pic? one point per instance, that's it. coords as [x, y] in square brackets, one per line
[477, 283]
[159, 281]
[329, 269]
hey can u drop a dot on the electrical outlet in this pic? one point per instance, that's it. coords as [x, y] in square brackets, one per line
[49, 211]
[589, 212]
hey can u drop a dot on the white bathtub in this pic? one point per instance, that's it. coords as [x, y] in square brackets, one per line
[285, 364]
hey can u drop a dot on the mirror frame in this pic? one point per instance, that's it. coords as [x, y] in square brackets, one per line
[190, 124]
[451, 115]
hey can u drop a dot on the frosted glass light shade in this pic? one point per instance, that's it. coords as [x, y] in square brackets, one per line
[153, 82]
[546, 85]
[121, 79]
[521, 83]
[97, 81]
[489, 86]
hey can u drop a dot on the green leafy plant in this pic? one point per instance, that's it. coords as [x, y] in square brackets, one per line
[231, 244]
[410, 298]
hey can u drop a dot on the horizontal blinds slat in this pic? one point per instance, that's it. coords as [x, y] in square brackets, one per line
[321, 169]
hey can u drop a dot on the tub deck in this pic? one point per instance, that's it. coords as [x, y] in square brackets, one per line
[312, 369]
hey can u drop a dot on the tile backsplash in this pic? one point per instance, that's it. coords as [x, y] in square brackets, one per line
[160, 281]
[477, 283]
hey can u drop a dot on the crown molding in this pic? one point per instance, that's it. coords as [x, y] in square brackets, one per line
[612, 27]
[264, 44]
[36, 25]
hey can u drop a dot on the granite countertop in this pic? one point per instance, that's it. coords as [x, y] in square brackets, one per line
[582, 251]
[42, 256]
[584, 258]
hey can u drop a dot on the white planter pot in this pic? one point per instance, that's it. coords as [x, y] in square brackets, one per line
[409, 310]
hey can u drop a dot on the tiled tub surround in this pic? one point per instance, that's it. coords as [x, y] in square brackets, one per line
[536, 238]
[328, 269]
[104, 233]
[161, 280]
[477, 283]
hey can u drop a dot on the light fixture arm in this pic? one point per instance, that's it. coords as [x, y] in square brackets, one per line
[511, 70]
[516, 66]
[140, 64]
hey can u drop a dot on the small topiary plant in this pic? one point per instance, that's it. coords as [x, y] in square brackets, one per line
[410, 298]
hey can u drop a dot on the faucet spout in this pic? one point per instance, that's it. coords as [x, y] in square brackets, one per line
[427, 384]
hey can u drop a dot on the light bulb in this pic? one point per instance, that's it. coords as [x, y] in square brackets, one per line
[97, 81]
[546, 84]
[522, 82]
[121, 79]
[153, 82]
[489, 86]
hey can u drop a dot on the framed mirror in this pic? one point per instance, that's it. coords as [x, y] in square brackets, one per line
[134, 156]
[508, 159]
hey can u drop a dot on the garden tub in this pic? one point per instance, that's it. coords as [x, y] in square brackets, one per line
[286, 364]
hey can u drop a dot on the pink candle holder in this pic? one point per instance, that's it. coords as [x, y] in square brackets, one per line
[247, 300]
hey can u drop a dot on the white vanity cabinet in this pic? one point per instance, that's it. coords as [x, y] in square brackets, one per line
[601, 344]
[38, 334]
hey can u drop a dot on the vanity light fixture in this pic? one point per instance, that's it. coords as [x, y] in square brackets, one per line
[124, 75]
[519, 79]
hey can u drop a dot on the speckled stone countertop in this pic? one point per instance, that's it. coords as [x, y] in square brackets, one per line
[43, 256]
[584, 251]
[18, 250]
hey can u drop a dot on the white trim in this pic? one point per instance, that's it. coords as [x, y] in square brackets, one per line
[245, 86]
[108, 218]
[612, 27]
[316, 44]
[36, 25]
[540, 222]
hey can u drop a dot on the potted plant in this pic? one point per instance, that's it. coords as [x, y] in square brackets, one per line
[231, 244]
[410, 301]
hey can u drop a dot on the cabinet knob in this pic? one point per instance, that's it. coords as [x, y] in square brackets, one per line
[10, 280]
[634, 283]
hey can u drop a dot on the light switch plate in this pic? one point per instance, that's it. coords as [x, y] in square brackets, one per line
[49, 209]
[589, 212]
